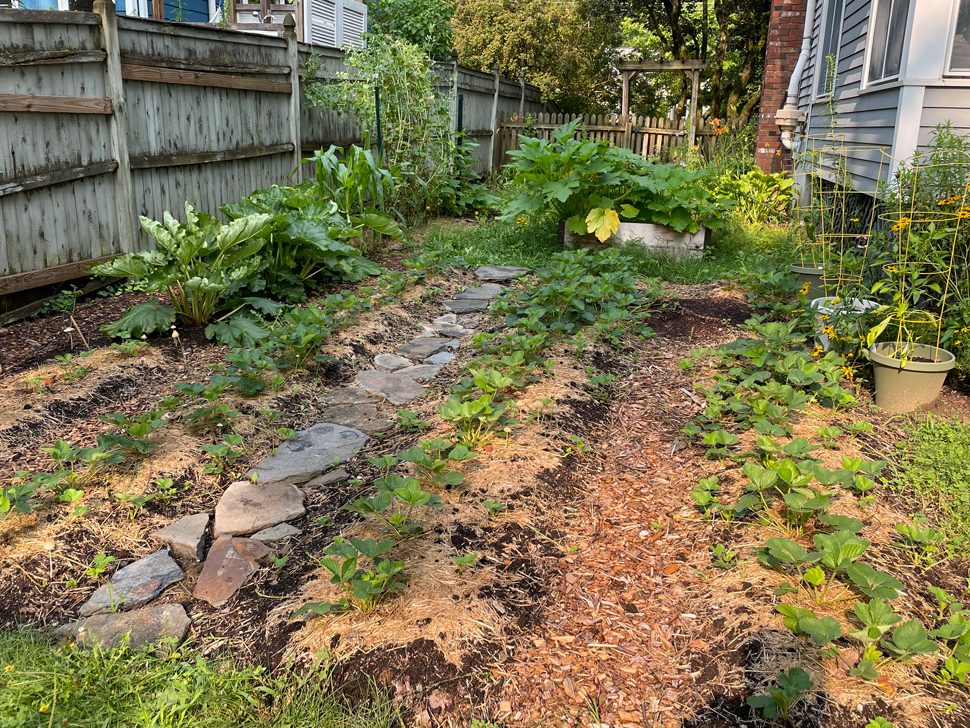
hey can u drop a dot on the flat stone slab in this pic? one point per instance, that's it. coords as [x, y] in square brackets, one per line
[484, 291]
[309, 453]
[448, 318]
[276, 533]
[395, 387]
[185, 537]
[464, 306]
[500, 272]
[246, 507]
[345, 395]
[145, 626]
[230, 563]
[424, 346]
[454, 331]
[134, 585]
[391, 362]
[334, 476]
[422, 372]
[440, 359]
[361, 417]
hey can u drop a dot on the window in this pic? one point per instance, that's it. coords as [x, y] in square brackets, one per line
[886, 35]
[830, 47]
[960, 54]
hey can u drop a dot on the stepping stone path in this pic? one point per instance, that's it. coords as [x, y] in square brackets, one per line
[262, 508]
[134, 585]
[476, 298]
[467, 305]
[276, 533]
[331, 478]
[425, 346]
[440, 359]
[361, 417]
[246, 507]
[185, 537]
[230, 563]
[485, 291]
[500, 272]
[145, 626]
[391, 362]
[421, 373]
[309, 453]
[396, 388]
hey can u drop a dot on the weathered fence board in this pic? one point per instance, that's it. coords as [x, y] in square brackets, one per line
[104, 117]
[649, 137]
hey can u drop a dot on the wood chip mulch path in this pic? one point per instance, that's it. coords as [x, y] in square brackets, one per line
[621, 643]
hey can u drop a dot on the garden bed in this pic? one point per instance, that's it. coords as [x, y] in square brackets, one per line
[593, 599]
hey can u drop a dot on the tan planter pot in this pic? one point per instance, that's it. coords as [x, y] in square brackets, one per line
[903, 389]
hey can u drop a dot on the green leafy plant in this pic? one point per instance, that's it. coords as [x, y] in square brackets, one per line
[920, 541]
[792, 686]
[411, 421]
[394, 503]
[591, 184]
[196, 262]
[722, 557]
[365, 588]
[464, 561]
[494, 508]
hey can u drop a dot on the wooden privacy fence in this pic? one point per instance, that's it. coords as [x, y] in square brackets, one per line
[105, 117]
[647, 136]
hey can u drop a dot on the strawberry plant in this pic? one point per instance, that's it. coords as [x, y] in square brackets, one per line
[792, 686]
[365, 588]
[393, 504]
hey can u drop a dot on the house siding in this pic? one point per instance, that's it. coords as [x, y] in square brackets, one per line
[864, 124]
[941, 105]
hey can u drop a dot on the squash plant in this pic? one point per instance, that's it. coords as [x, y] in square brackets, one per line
[592, 184]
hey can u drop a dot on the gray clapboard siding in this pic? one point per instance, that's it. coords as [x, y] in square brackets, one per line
[205, 139]
[941, 105]
[863, 123]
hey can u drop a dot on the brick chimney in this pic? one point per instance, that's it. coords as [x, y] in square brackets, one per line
[784, 44]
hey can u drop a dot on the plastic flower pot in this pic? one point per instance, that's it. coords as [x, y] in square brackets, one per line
[810, 275]
[902, 389]
[833, 307]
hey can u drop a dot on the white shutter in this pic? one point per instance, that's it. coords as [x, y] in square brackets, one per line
[322, 22]
[353, 24]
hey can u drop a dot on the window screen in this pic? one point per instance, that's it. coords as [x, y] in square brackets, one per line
[888, 31]
[830, 46]
[960, 55]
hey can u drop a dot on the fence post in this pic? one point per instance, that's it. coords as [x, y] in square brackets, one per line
[118, 126]
[454, 90]
[494, 124]
[522, 93]
[695, 87]
[296, 95]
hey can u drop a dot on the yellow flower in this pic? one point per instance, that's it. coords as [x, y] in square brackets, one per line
[901, 223]
[817, 351]
[846, 372]
[44, 707]
[963, 214]
[805, 288]
[853, 219]
[9, 668]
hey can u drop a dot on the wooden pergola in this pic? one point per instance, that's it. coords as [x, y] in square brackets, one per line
[632, 69]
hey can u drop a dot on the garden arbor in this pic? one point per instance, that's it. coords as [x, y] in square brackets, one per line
[632, 69]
